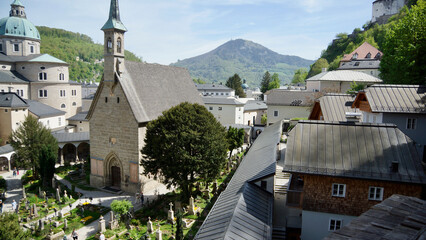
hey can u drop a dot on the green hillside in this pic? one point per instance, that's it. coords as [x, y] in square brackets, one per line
[246, 58]
[67, 46]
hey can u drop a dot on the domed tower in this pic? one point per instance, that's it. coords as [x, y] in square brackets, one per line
[114, 31]
[18, 36]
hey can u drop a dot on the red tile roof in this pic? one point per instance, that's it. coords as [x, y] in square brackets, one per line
[362, 52]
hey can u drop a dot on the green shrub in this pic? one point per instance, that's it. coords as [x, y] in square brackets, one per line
[2, 183]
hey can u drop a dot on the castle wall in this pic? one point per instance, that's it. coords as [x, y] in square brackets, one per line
[383, 8]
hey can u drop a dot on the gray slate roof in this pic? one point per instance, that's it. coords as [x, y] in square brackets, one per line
[72, 137]
[356, 65]
[42, 110]
[255, 105]
[243, 210]
[397, 98]
[398, 217]
[81, 116]
[153, 88]
[355, 150]
[345, 76]
[289, 98]
[12, 77]
[12, 100]
[213, 87]
[335, 106]
[222, 101]
[6, 149]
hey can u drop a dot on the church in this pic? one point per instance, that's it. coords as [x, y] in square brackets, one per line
[130, 95]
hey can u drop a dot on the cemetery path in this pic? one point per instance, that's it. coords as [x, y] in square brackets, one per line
[14, 189]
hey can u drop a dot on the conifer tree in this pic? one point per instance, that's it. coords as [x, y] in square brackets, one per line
[235, 83]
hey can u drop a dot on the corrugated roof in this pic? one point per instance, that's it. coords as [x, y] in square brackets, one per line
[243, 210]
[289, 98]
[222, 101]
[398, 217]
[12, 100]
[396, 98]
[371, 64]
[12, 77]
[362, 52]
[255, 105]
[81, 116]
[153, 88]
[72, 137]
[335, 106]
[355, 150]
[42, 110]
[6, 149]
[212, 87]
[345, 76]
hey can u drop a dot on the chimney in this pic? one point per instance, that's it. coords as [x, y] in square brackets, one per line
[324, 70]
[394, 167]
[353, 116]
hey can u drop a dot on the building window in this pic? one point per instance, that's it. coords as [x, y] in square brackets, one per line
[42, 93]
[61, 76]
[62, 93]
[355, 56]
[119, 45]
[368, 55]
[275, 113]
[74, 104]
[375, 193]
[20, 92]
[63, 105]
[109, 45]
[210, 108]
[338, 190]
[42, 76]
[74, 92]
[411, 123]
[16, 47]
[32, 49]
[1, 47]
[220, 108]
[335, 224]
[118, 100]
[59, 121]
[106, 99]
[5, 110]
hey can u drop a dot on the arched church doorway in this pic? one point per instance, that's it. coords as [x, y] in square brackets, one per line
[115, 177]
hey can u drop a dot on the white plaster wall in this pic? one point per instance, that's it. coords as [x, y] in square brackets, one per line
[4, 87]
[312, 86]
[287, 113]
[372, 117]
[54, 122]
[31, 71]
[228, 115]
[315, 225]
[248, 117]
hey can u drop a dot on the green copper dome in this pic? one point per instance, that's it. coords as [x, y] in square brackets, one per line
[18, 27]
[17, 3]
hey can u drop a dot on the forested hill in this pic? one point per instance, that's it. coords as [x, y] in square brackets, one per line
[246, 58]
[67, 46]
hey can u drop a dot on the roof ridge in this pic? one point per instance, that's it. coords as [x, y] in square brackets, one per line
[365, 124]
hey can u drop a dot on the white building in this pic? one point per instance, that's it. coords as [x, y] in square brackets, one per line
[215, 90]
[225, 110]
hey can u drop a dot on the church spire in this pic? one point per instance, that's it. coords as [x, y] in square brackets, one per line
[114, 21]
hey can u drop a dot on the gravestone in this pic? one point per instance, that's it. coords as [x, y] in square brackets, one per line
[39, 192]
[24, 195]
[44, 196]
[60, 214]
[65, 194]
[55, 224]
[35, 210]
[149, 226]
[147, 236]
[53, 183]
[27, 204]
[112, 222]
[65, 223]
[102, 224]
[191, 209]
[178, 206]
[59, 187]
[58, 196]
[158, 233]
[40, 225]
[171, 216]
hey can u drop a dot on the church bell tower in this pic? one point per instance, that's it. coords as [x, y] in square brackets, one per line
[114, 31]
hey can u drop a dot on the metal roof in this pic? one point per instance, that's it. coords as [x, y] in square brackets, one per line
[398, 217]
[335, 106]
[12, 77]
[212, 87]
[255, 105]
[396, 98]
[42, 110]
[12, 100]
[244, 210]
[345, 76]
[81, 116]
[359, 64]
[18, 27]
[6, 149]
[222, 101]
[114, 21]
[283, 97]
[72, 137]
[46, 58]
[354, 150]
[17, 3]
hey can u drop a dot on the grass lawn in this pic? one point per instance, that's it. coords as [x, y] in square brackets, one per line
[81, 183]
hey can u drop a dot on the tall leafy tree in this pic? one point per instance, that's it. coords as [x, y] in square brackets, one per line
[317, 67]
[29, 140]
[186, 144]
[299, 76]
[10, 228]
[235, 139]
[47, 160]
[404, 50]
[266, 80]
[275, 83]
[235, 83]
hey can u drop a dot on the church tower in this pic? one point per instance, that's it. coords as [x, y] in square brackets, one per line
[18, 9]
[114, 31]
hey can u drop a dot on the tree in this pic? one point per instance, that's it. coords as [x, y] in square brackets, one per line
[404, 50]
[264, 85]
[264, 119]
[47, 165]
[122, 208]
[355, 88]
[317, 67]
[10, 228]
[299, 76]
[235, 138]
[235, 83]
[179, 226]
[185, 143]
[275, 82]
[28, 140]
[198, 81]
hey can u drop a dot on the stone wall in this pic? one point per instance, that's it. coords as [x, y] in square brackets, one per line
[317, 194]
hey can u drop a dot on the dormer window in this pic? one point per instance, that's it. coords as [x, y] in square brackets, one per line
[355, 56]
[109, 45]
[368, 55]
[119, 45]
[378, 56]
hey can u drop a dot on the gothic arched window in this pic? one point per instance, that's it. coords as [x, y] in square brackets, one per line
[119, 45]
[109, 45]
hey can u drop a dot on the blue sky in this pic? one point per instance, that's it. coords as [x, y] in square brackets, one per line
[164, 31]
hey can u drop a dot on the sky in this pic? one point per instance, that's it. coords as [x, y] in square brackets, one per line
[164, 31]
